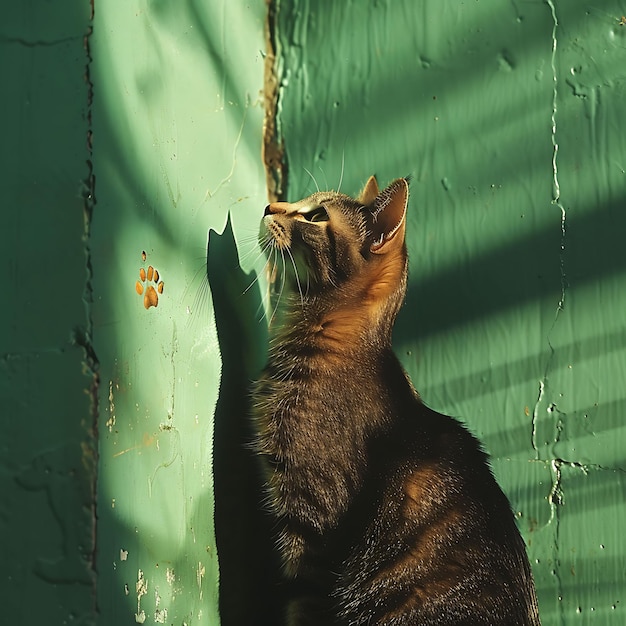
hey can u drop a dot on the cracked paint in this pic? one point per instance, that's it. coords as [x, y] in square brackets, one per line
[160, 614]
[170, 577]
[92, 364]
[555, 497]
[200, 573]
[110, 423]
[556, 199]
[274, 156]
[141, 588]
[228, 177]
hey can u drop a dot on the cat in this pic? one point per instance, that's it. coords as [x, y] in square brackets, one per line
[386, 512]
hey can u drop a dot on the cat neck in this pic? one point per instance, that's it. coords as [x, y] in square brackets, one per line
[313, 330]
[355, 318]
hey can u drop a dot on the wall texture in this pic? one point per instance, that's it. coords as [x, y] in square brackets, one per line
[509, 115]
[177, 123]
[136, 128]
[48, 373]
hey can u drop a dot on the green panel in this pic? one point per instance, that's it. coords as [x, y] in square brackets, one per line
[509, 117]
[47, 373]
[177, 147]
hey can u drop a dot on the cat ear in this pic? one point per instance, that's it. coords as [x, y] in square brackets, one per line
[389, 213]
[370, 191]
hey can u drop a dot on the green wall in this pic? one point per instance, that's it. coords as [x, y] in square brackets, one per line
[509, 117]
[48, 370]
[145, 134]
[178, 113]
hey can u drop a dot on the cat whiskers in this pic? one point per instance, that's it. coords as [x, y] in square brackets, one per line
[270, 276]
[253, 246]
[295, 269]
[271, 248]
[343, 155]
[284, 279]
[271, 267]
[266, 242]
[313, 178]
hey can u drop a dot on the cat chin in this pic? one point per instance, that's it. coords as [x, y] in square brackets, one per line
[294, 276]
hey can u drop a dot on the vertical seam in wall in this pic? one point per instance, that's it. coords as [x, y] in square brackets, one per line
[556, 191]
[556, 200]
[85, 339]
[274, 156]
[555, 498]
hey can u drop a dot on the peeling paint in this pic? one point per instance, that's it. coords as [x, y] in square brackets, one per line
[160, 615]
[110, 423]
[141, 588]
[200, 573]
[274, 155]
[170, 576]
[535, 418]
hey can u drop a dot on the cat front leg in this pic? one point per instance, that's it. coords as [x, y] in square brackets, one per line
[310, 611]
[310, 579]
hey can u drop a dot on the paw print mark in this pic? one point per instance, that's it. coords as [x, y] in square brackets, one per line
[150, 292]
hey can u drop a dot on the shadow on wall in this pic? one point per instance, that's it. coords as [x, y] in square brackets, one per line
[506, 277]
[249, 569]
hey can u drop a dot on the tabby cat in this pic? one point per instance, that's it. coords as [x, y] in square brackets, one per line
[386, 511]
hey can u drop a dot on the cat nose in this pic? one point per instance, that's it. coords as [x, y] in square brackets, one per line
[276, 208]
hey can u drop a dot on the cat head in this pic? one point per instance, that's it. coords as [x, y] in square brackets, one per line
[338, 255]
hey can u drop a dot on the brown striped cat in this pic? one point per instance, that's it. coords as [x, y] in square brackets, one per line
[387, 512]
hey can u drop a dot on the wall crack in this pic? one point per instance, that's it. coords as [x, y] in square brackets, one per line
[37, 43]
[556, 187]
[84, 337]
[556, 496]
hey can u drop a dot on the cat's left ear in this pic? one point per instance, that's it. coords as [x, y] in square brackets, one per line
[389, 216]
[370, 191]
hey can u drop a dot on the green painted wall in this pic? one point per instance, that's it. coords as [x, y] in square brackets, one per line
[509, 116]
[146, 134]
[48, 376]
[177, 117]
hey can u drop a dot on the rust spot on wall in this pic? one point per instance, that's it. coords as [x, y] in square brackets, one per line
[274, 156]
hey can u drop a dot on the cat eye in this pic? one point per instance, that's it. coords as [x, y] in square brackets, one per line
[318, 214]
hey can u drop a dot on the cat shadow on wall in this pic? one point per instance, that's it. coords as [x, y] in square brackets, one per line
[249, 570]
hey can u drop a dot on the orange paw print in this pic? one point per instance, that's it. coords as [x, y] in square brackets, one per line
[150, 292]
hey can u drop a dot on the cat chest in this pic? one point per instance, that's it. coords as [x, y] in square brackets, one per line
[312, 439]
